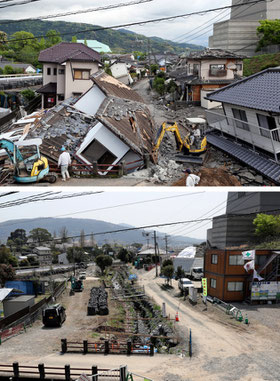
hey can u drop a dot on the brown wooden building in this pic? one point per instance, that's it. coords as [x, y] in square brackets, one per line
[228, 280]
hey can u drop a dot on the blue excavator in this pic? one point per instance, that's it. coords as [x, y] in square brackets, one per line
[28, 164]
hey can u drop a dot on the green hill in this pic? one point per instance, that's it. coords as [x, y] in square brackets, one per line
[258, 63]
[120, 41]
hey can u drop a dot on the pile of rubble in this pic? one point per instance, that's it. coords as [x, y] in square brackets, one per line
[98, 303]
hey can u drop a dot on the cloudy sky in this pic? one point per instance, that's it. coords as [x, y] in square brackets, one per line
[194, 29]
[144, 208]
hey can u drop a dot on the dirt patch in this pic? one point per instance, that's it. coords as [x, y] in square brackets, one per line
[212, 177]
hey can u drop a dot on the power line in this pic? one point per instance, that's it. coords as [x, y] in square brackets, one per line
[89, 10]
[139, 22]
[21, 3]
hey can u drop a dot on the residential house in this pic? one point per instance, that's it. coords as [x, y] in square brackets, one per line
[205, 71]
[44, 255]
[228, 280]
[96, 45]
[164, 61]
[26, 68]
[108, 125]
[67, 68]
[62, 259]
[250, 118]
[119, 70]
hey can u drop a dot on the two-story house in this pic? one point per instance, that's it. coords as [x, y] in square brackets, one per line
[44, 255]
[67, 68]
[248, 125]
[205, 71]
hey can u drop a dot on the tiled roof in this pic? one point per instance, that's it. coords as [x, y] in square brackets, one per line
[115, 114]
[213, 53]
[68, 50]
[112, 87]
[48, 88]
[259, 91]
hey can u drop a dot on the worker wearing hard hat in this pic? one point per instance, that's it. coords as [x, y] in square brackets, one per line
[191, 180]
[63, 162]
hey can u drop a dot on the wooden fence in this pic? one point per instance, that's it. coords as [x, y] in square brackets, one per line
[68, 373]
[106, 347]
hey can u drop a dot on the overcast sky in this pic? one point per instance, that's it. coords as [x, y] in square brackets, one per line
[154, 9]
[174, 206]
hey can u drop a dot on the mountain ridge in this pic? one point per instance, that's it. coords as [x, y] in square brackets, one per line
[120, 41]
[75, 225]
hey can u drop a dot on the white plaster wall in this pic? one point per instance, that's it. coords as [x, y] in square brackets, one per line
[49, 78]
[207, 104]
[204, 67]
[30, 69]
[78, 85]
[60, 80]
[90, 102]
[119, 69]
[104, 136]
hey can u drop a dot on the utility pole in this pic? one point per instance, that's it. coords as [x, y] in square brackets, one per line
[149, 54]
[166, 244]
[156, 254]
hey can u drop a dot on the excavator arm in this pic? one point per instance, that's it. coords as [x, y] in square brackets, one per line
[167, 126]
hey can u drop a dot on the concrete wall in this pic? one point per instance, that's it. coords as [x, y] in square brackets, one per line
[15, 304]
[207, 104]
[255, 12]
[252, 202]
[49, 78]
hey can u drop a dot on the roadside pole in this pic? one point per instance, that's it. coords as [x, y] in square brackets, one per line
[156, 254]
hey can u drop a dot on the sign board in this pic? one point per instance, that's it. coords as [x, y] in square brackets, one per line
[265, 291]
[204, 285]
[249, 254]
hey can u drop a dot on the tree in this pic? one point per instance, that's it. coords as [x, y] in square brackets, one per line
[267, 225]
[6, 257]
[154, 69]
[76, 255]
[22, 39]
[53, 38]
[3, 39]
[167, 262]
[268, 33]
[92, 240]
[85, 41]
[168, 271]
[74, 39]
[180, 273]
[28, 94]
[24, 263]
[6, 273]
[40, 235]
[63, 233]
[103, 261]
[123, 255]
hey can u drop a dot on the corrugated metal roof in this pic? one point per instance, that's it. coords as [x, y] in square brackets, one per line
[4, 292]
[259, 91]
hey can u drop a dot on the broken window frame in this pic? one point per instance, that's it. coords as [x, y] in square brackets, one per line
[82, 71]
[268, 125]
[217, 70]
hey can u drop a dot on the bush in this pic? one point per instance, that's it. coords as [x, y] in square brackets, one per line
[8, 70]
[28, 94]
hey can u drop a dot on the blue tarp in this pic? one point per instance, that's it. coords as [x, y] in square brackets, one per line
[25, 286]
[132, 277]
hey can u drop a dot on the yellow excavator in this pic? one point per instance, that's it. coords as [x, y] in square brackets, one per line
[189, 141]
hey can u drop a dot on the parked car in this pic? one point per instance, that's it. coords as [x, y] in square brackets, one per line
[54, 316]
[184, 285]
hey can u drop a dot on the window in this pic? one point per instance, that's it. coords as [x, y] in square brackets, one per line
[195, 69]
[214, 259]
[235, 286]
[61, 71]
[213, 283]
[241, 115]
[48, 71]
[81, 74]
[236, 260]
[239, 67]
[54, 71]
[60, 97]
[217, 70]
[268, 123]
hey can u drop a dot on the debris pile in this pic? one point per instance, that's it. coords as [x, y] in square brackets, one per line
[98, 303]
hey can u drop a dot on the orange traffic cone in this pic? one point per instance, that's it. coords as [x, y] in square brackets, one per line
[177, 316]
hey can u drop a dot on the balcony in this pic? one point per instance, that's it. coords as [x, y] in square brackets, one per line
[267, 140]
